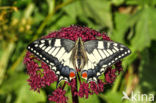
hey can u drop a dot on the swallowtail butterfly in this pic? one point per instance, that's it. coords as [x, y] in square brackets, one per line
[65, 56]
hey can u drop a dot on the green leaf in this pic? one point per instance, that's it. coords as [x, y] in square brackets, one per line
[18, 83]
[145, 29]
[112, 97]
[99, 11]
[38, 17]
[122, 23]
[117, 2]
[64, 21]
[14, 82]
[121, 27]
[91, 99]
[25, 95]
[73, 9]
[131, 2]
[20, 3]
[129, 59]
[147, 70]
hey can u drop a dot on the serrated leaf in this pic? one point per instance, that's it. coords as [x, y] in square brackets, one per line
[122, 23]
[145, 29]
[99, 10]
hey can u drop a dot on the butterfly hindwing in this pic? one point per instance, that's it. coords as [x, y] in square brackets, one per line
[102, 54]
[56, 53]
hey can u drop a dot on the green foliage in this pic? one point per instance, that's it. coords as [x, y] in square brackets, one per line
[112, 97]
[131, 22]
[145, 29]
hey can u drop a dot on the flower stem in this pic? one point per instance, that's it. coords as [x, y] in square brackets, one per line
[74, 91]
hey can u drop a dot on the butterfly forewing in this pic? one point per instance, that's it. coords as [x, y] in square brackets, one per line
[56, 53]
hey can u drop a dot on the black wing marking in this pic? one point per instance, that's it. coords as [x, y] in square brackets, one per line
[102, 54]
[56, 53]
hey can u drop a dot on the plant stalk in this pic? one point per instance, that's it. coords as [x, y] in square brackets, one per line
[74, 90]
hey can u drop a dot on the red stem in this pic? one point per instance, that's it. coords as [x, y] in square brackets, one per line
[74, 91]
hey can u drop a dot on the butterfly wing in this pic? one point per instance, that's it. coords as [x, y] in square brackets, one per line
[102, 54]
[56, 53]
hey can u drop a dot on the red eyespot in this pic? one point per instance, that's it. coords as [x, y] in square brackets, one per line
[72, 74]
[84, 74]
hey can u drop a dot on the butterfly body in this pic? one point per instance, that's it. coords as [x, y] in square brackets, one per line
[65, 56]
[79, 57]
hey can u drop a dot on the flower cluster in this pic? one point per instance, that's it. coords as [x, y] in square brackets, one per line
[41, 75]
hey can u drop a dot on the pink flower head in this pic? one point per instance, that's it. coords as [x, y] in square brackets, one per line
[84, 90]
[41, 75]
[58, 96]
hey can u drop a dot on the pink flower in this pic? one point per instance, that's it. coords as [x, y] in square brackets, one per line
[58, 96]
[84, 90]
[41, 75]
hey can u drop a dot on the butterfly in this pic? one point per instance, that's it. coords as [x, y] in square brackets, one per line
[65, 56]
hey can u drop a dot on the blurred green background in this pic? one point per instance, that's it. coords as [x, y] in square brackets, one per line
[131, 22]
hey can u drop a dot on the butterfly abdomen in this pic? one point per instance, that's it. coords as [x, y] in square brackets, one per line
[83, 55]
